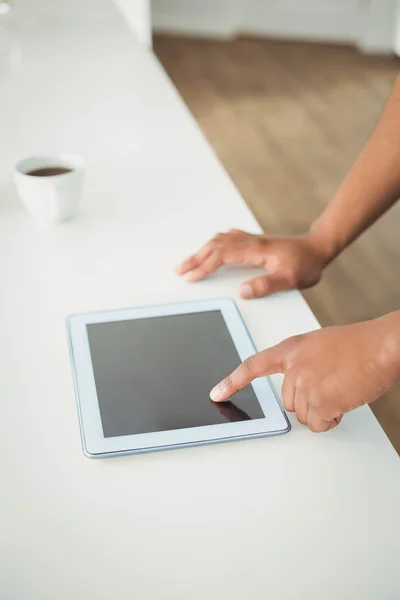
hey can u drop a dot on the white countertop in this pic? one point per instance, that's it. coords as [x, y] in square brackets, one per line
[303, 516]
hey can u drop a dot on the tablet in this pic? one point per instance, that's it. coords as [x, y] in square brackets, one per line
[143, 377]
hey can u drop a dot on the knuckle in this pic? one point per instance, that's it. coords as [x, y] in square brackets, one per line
[301, 384]
[283, 346]
[229, 383]
[291, 341]
[211, 263]
[288, 349]
[304, 381]
[248, 364]
[217, 244]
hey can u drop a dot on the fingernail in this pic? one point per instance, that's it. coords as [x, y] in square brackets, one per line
[246, 290]
[190, 276]
[216, 393]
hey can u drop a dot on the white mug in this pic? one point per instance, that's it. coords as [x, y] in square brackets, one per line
[50, 197]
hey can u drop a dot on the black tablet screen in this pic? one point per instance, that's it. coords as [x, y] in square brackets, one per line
[156, 374]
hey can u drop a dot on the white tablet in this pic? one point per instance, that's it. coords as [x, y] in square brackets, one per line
[143, 377]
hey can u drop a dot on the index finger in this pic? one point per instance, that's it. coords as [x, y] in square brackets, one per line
[267, 362]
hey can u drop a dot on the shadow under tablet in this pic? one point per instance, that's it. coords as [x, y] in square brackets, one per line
[156, 374]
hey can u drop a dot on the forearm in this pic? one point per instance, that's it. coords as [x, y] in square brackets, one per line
[371, 187]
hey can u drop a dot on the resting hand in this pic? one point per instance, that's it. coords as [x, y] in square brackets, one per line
[292, 263]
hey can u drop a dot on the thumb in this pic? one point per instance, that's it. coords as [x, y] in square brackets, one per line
[264, 286]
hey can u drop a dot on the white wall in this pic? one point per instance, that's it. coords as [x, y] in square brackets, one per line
[367, 23]
[378, 26]
[397, 29]
[334, 20]
[199, 17]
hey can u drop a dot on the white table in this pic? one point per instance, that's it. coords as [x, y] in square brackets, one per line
[302, 516]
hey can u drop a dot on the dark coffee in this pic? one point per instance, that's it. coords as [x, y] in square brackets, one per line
[49, 171]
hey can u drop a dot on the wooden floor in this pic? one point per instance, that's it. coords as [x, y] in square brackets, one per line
[287, 120]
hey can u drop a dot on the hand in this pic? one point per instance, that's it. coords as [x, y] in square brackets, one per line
[327, 372]
[292, 263]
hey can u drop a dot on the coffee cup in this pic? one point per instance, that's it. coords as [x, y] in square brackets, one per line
[50, 186]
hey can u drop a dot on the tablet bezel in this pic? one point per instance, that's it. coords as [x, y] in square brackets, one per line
[93, 441]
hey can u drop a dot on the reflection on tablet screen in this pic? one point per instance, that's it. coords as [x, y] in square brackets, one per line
[231, 412]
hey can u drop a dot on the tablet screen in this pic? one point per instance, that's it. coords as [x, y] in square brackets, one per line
[156, 374]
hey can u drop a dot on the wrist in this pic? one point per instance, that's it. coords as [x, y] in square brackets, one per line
[388, 347]
[319, 246]
[324, 242]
